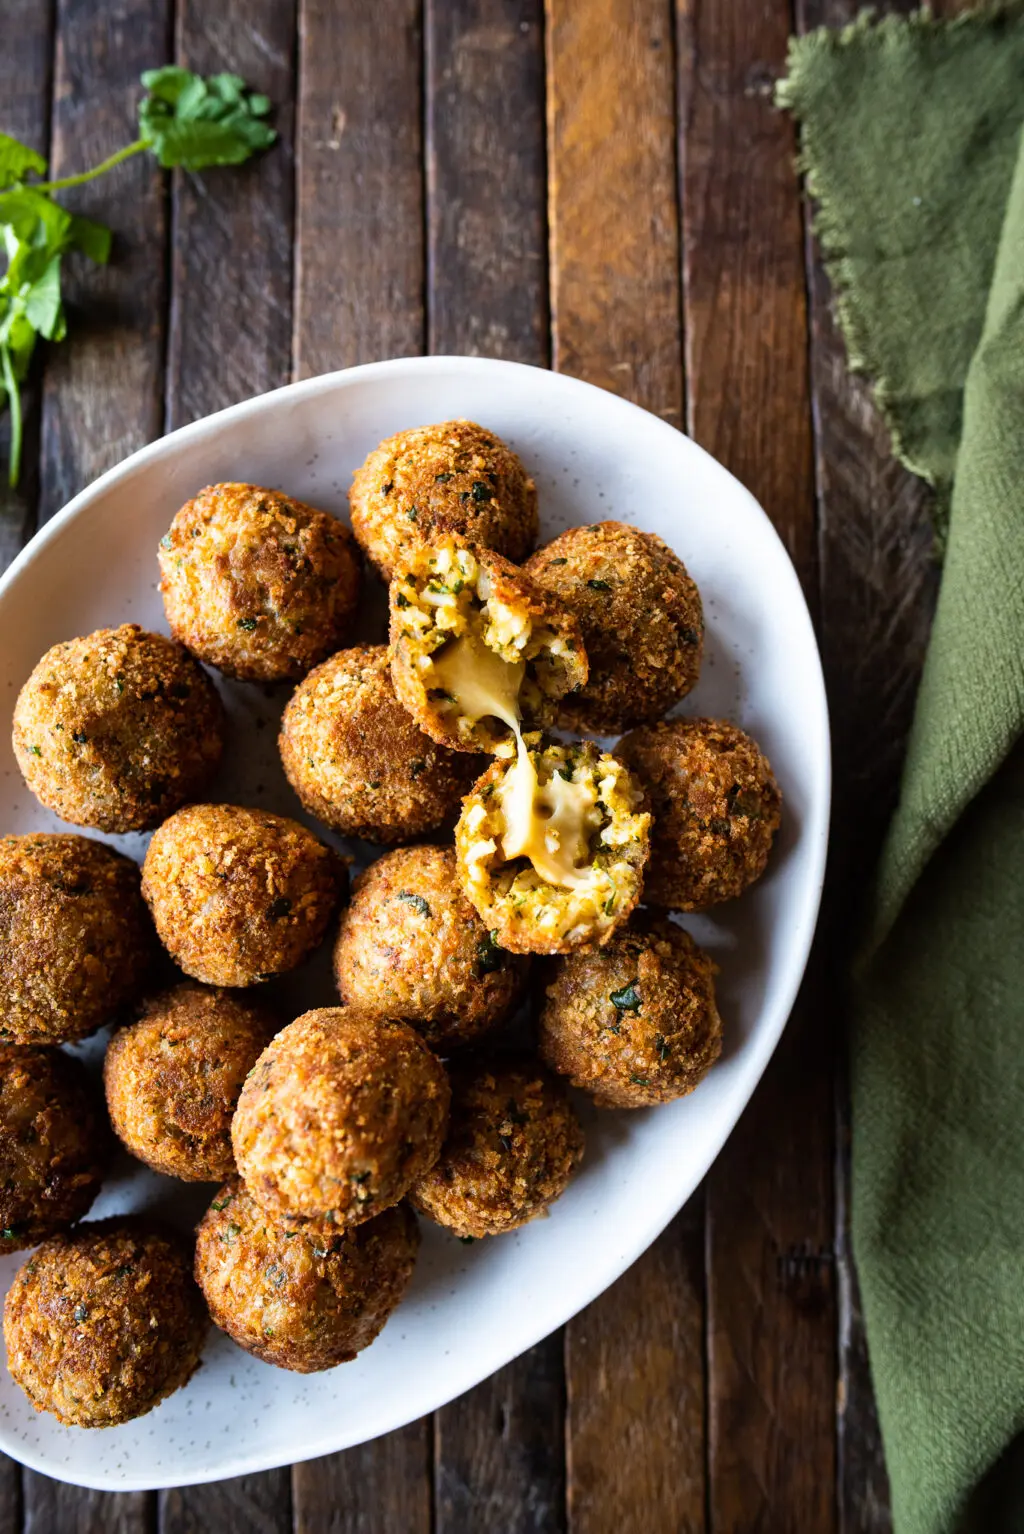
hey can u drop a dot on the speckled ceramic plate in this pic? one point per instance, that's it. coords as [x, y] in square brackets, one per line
[470, 1308]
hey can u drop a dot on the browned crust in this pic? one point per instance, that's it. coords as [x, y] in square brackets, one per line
[75, 938]
[513, 1145]
[716, 809]
[452, 478]
[172, 1079]
[660, 1034]
[411, 946]
[117, 729]
[239, 895]
[296, 1301]
[103, 1324]
[341, 1113]
[55, 1144]
[357, 759]
[642, 622]
[256, 583]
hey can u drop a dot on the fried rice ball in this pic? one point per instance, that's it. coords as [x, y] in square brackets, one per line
[634, 1023]
[551, 846]
[117, 729]
[102, 1324]
[258, 584]
[55, 1144]
[513, 1144]
[75, 937]
[641, 617]
[411, 946]
[297, 1300]
[341, 1114]
[239, 895]
[359, 762]
[173, 1078]
[476, 646]
[452, 478]
[716, 805]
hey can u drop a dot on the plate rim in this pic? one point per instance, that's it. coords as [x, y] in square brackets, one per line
[815, 833]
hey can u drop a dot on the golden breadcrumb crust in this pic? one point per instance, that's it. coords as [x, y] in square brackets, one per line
[257, 584]
[716, 805]
[411, 946]
[341, 1113]
[117, 729]
[455, 477]
[513, 1144]
[634, 1023]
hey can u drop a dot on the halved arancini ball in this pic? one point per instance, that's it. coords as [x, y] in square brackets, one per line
[551, 846]
[103, 1324]
[118, 729]
[634, 1023]
[55, 1144]
[239, 895]
[258, 584]
[641, 618]
[173, 1077]
[75, 937]
[716, 805]
[411, 946]
[357, 759]
[476, 646]
[455, 477]
[341, 1114]
[513, 1144]
[297, 1300]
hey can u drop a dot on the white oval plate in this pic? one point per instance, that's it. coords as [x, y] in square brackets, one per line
[470, 1309]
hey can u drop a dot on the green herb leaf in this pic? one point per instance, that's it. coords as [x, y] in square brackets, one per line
[17, 160]
[489, 957]
[194, 122]
[626, 1000]
[416, 901]
[599, 585]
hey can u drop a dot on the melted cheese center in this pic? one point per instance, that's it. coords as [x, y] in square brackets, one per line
[549, 824]
[480, 681]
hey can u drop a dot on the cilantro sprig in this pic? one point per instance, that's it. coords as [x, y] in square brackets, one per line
[185, 120]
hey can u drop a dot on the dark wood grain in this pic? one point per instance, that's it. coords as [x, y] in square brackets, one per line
[25, 89]
[612, 204]
[486, 216]
[250, 1504]
[635, 1424]
[103, 394]
[51, 1507]
[230, 337]
[231, 297]
[770, 1258]
[384, 1487]
[359, 270]
[499, 1450]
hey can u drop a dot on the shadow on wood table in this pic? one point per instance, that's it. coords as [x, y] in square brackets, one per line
[602, 185]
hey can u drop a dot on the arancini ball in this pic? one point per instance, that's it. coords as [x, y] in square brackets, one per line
[455, 477]
[117, 729]
[239, 895]
[258, 584]
[341, 1114]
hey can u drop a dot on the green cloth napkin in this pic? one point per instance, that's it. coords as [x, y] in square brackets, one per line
[911, 140]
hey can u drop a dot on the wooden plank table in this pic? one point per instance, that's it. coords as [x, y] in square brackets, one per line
[602, 186]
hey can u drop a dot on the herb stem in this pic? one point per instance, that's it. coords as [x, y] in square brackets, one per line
[14, 406]
[98, 170]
